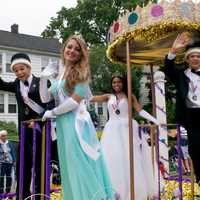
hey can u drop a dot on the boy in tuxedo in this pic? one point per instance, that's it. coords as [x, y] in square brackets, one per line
[187, 83]
[26, 89]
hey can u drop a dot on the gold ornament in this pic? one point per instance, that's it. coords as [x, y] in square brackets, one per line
[154, 31]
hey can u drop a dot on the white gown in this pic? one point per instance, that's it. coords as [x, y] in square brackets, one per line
[115, 146]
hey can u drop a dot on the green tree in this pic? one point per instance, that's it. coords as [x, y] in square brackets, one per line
[11, 129]
[92, 19]
[102, 70]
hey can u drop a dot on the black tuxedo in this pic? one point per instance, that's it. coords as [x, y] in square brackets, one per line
[188, 117]
[26, 113]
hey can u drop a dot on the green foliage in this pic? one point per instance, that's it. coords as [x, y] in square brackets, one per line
[102, 70]
[11, 128]
[170, 107]
[91, 18]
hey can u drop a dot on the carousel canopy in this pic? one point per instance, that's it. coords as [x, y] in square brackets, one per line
[152, 29]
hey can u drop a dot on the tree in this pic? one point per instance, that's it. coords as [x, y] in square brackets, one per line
[11, 129]
[92, 19]
[102, 70]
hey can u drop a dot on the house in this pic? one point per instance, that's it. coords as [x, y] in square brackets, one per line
[40, 50]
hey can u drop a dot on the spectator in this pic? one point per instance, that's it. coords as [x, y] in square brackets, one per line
[184, 151]
[7, 161]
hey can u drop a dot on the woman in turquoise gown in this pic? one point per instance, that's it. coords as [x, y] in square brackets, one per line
[83, 172]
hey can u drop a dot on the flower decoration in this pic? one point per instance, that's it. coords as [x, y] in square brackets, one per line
[133, 18]
[185, 9]
[157, 11]
[116, 27]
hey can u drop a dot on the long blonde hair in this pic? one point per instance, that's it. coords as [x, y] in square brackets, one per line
[80, 71]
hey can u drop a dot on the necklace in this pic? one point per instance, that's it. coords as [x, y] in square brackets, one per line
[116, 106]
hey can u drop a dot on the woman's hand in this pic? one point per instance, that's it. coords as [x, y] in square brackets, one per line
[136, 104]
[48, 115]
[50, 70]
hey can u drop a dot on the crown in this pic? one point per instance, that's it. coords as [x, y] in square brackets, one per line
[80, 37]
[152, 29]
[118, 74]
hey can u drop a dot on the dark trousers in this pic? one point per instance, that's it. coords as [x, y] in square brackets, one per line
[54, 151]
[193, 129]
[28, 164]
[6, 169]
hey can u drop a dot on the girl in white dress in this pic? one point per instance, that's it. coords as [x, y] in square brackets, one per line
[115, 144]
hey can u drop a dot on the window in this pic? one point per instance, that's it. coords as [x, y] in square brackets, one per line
[0, 63]
[8, 68]
[8, 57]
[55, 60]
[1, 103]
[44, 62]
[12, 106]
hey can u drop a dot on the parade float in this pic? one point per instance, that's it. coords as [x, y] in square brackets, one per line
[143, 36]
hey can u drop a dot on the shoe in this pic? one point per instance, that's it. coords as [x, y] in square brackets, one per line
[198, 182]
[188, 173]
[197, 197]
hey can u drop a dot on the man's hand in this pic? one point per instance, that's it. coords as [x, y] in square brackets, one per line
[180, 42]
[31, 124]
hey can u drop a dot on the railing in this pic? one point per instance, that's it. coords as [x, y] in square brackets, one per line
[155, 155]
[45, 161]
[178, 175]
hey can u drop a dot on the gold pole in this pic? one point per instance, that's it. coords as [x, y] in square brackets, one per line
[131, 153]
[43, 163]
[152, 147]
[153, 91]
[153, 138]
[192, 179]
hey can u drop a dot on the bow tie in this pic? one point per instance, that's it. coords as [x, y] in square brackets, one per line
[26, 83]
[195, 72]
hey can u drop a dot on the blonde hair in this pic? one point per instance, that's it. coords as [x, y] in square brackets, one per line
[80, 71]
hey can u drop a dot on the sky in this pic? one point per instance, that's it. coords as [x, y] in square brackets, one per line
[32, 16]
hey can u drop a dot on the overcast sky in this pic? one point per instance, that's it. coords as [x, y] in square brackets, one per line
[32, 16]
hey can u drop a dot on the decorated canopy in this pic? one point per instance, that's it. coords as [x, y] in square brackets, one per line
[151, 30]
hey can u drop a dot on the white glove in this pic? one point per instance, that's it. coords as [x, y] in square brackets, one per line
[149, 117]
[68, 105]
[45, 93]
[47, 115]
[50, 70]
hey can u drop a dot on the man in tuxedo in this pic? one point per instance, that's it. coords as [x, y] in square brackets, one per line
[30, 106]
[187, 83]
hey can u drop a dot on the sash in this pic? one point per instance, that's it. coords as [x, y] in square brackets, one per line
[194, 89]
[32, 104]
[82, 118]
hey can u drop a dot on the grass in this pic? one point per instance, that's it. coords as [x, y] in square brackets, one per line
[13, 138]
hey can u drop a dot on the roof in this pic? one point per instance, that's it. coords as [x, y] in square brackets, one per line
[17, 40]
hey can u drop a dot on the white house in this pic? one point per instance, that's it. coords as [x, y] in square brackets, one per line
[40, 50]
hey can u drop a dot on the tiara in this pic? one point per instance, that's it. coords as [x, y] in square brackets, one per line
[117, 74]
[79, 37]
